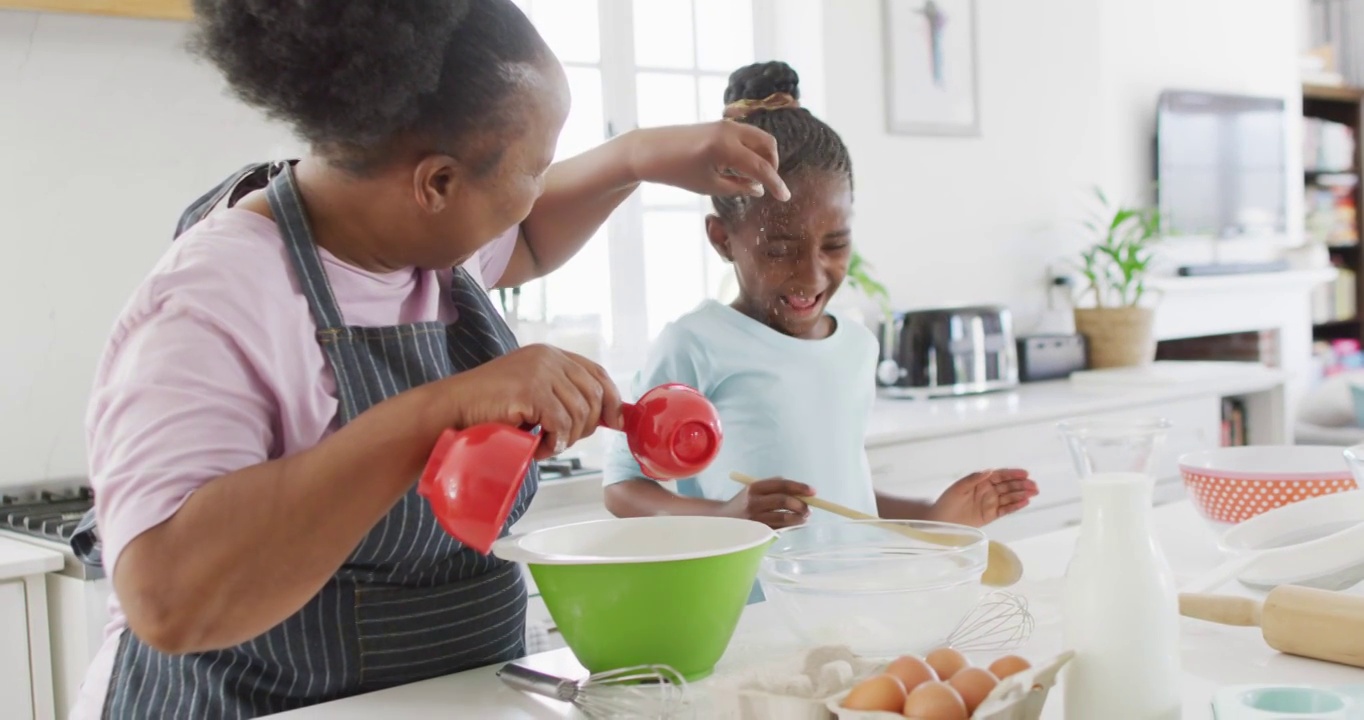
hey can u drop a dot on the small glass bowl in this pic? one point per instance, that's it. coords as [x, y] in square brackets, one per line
[868, 585]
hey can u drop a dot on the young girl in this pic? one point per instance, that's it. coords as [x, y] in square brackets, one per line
[793, 382]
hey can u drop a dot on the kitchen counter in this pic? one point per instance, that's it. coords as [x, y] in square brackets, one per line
[1088, 393]
[21, 559]
[1213, 656]
[899, 421]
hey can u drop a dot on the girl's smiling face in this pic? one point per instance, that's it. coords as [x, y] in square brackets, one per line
[790, 257]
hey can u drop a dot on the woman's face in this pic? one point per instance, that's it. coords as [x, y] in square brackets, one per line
[790, 257]
[467, 206]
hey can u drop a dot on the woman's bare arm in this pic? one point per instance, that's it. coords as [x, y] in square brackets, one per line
[248, 549]
[580, 194]
[718, 158]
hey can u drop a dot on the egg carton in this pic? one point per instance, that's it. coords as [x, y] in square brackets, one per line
[1017, 697]
[797, 687]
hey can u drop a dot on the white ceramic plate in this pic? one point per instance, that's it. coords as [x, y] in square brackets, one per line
[1320, 543]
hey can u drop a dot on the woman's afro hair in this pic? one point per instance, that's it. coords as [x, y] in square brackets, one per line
[354, 76]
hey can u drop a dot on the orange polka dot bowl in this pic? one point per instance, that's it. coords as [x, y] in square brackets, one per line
[1233, 484]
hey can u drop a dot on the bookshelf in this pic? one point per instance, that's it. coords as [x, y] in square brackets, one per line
[1333, 134]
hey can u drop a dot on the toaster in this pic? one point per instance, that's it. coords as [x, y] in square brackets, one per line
[947, 351]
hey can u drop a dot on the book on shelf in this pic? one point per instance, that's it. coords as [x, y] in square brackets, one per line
[1336, 300]
[1233, 423]
[1327, 146]
[1329, 203]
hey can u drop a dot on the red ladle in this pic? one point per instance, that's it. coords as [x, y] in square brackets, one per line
[474, 475]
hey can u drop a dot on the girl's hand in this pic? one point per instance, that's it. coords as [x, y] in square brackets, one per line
[771, 502]
[716, 158]
[983, 497]
[567, 395]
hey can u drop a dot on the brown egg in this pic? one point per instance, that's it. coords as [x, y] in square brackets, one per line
[912, 672]
[1009, 665]
[883, 692]
[935, 700]
[946, 662]
[973, 684]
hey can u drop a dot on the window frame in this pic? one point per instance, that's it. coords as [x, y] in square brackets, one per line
[626, 262]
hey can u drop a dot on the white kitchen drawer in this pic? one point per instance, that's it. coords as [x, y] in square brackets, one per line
[919, 468]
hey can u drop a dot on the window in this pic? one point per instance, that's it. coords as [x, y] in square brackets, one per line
[666, 62]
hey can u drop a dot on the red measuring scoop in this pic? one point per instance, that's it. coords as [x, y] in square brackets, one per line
[473, 475]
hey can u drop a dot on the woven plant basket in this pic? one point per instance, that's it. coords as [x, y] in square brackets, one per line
[1118, 337]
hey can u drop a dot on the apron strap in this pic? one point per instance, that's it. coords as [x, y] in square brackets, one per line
[287, 205]
[250, 178]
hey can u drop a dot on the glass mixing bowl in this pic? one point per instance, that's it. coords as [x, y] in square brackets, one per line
[869, 585]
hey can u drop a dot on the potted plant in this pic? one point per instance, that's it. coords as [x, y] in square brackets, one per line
[860, 279]
[1109, 312]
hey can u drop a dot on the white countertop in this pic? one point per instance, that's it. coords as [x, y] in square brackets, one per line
[1213, 656]
[901, 420]
[20, 559]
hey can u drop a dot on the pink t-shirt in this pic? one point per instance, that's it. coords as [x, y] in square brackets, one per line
[214, 366]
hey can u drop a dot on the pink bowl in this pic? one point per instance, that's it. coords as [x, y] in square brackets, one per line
[1231, 485]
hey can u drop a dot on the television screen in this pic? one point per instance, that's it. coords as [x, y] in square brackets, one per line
[1221, 165]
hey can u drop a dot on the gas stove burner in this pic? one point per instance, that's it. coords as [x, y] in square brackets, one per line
[46, 496]
[50, 513]
[562, 467]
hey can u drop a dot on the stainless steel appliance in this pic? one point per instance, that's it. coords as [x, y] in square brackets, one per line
[1050, 357]
[948, 351]
[49, 513]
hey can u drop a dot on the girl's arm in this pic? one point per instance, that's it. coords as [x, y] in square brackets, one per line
[646, 498]
[771, 502]
[892, 507]
[582, 191]
[677, 357]
[976, 500]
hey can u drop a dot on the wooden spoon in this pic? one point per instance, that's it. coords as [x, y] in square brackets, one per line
[1002, 566]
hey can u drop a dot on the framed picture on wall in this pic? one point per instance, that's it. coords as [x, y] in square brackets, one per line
[930, 57]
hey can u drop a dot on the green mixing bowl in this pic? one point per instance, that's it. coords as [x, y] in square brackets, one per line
[644, 591]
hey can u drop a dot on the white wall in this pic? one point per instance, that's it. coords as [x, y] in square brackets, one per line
[1067, 97]
[107, 131]
[1247, 47]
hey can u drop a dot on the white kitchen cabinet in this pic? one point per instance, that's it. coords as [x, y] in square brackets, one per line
[79, 609]
[16, 669]
[924, 468]
[25, 649]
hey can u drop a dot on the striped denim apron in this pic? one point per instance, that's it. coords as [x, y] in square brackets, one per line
[411, 602]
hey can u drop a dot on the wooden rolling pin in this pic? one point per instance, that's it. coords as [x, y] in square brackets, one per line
[1002, 565]
[1307, 622]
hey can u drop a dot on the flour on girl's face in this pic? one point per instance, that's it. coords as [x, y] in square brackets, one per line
[791, 257]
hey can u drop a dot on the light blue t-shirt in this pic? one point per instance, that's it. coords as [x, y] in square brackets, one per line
[788, 407]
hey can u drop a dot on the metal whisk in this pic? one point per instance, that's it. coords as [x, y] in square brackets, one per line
[644, 691]
[1000, 622]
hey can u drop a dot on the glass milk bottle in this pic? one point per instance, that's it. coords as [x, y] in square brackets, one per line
[1121, 606]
